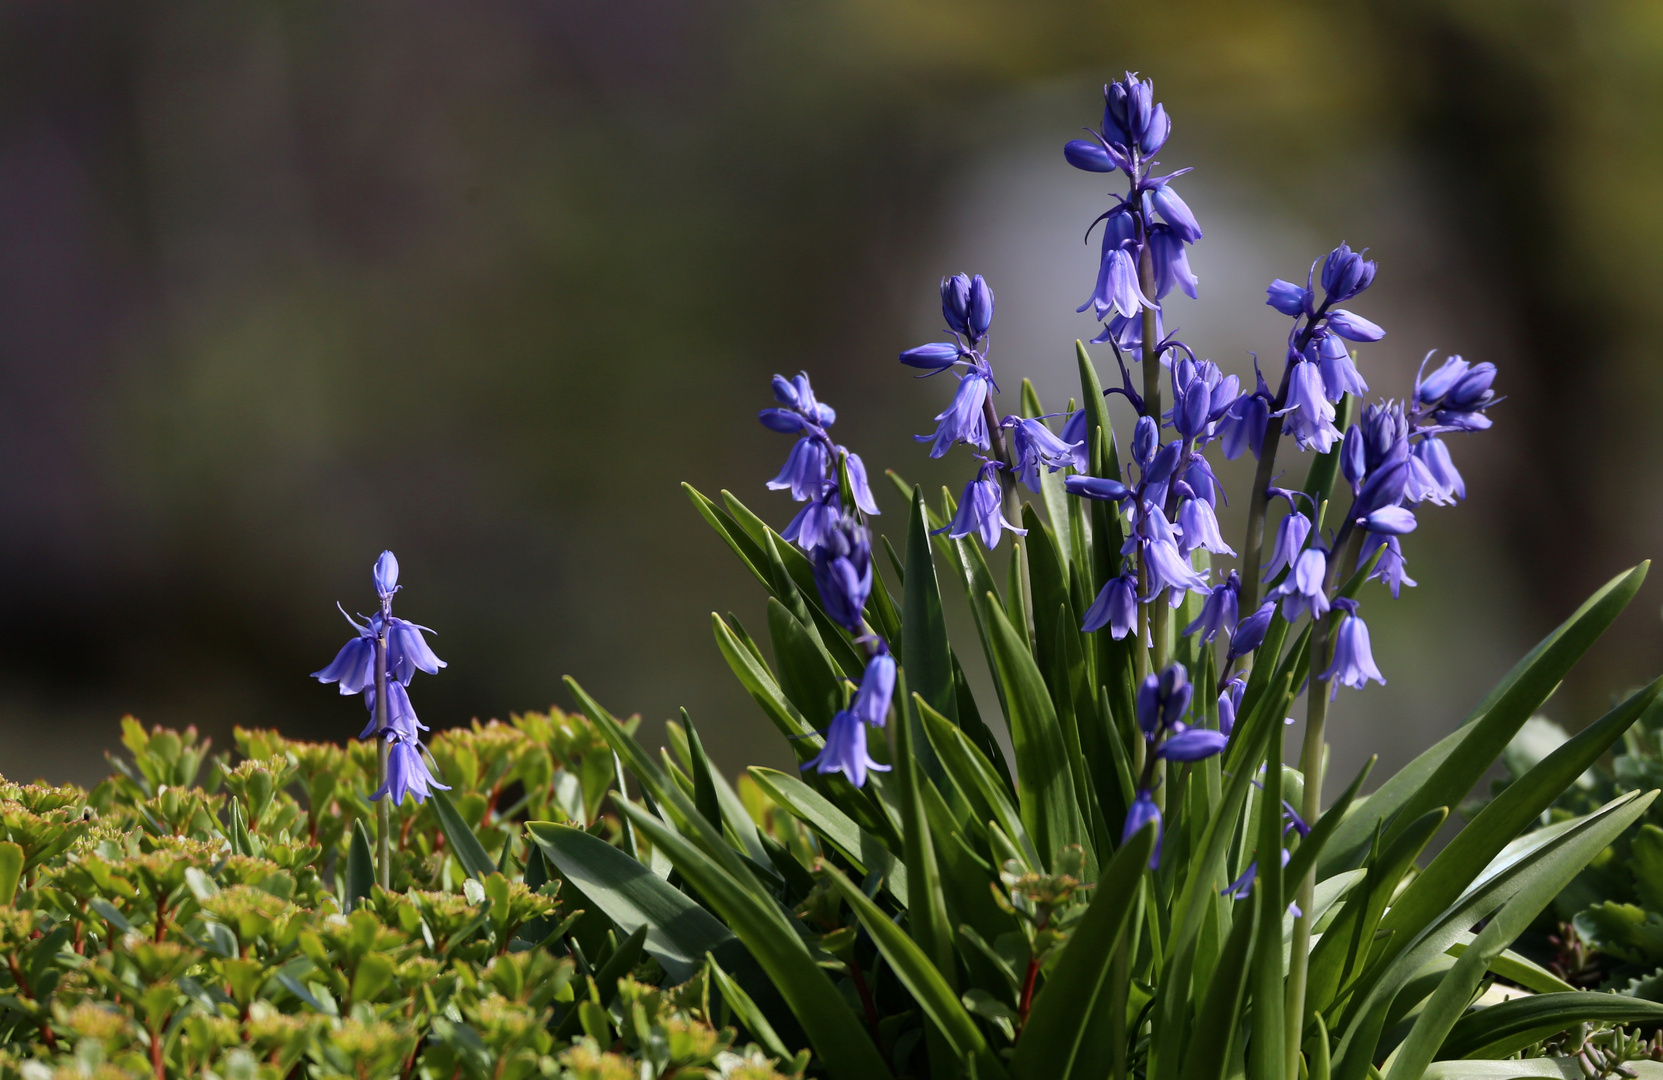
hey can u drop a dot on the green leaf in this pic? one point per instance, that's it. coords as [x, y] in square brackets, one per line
[839, 1039]
[1626, 931]
[929, 656]
[919, 975]
[866, 851]
[1515, 968]
[1545, 858]
[11, 870]
[928, 913]
[711, 789]
[754, 1020]
[1647, 864]
[1045, 785]
[1312, 845]
[749, 551]
[679, 931]
[973, 775]
[1448, 1001]
[1221, 1003]
[620, 963]
[1504, 1029]
[760, 683]
[1050, 1046]
[806, 673]
[1442, 774]
[360, 866]
[1268, 1046]
[463, 843]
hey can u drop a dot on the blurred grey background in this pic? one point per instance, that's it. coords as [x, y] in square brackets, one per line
[282, 284]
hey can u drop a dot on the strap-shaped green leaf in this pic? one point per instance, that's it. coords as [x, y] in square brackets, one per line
[969, 771]
[1504, 1029]
[1222, 1000]
[463, 843]
[1551, 873]
[360, 866]
[1519, 804]
[1323, 829]
[929, 655]
[1446, 771]
[1049, 1047]
[753, 1018]
[841, 1042]
[862, 848]
[620, 963]
[1044, 781]
[760, 683]
[928, 912]
[749, 551]
[712, 788]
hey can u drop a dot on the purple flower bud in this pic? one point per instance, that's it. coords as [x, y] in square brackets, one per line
[386, 575]
[1096, 487]
[1473, 388]
[1395, 520]
[1290, 538]
[1229, 702]
[845, 751]
[1090, 156]
[804, 469]
[1175, 213]
[843, 572]
[877, 687]
[1441, 381]
[936, 356]
[1385, 436]
[1353, 457]
[1287, 297]
[784, 392]
[1250, 632]
[1163, 699]
[1194, 744]
[963, 420]
[784, 421]
[955, 305]
[407, 773]
[1302, 591]
[981, 307]
[1353, 659]
[1141, 813]
[1116, 607]
[1192, 408]
[1145, 437]
[1218, 612]
[1353, 327]
[980, 509]
[1243, 426]
[1345, 273]
[1384, 487]
[1161, 468]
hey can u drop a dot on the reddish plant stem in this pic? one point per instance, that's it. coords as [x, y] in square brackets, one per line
[46, 1035]
[865, 997]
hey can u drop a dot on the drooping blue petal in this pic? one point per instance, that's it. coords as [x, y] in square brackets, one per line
[1200, 529]
[858, 483]
[1218, 611]
[783, 421]
[1141, 813]
[1116, 607]
[408, 652]
[353, 667]
[1250, 632]
[877, 687]
[1175, 213]
[963, 420]
[1353, 658]
[1290, 539]
[845, 751]
[1395, 520]
[981, 510]
[1303, 591]
[803, 471]
[407, 773]
[1353, 327]
[1310, 415]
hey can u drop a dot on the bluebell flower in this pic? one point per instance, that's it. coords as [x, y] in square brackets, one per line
[1456, 394]
[1229, 703]
[1433, 387]
[858, 484]
[804, 469]
[981, 509]
[1384, 487]
[817, 517]
[1303, 591]
[1141, 813]
[843, 572]
[1129, 114]
[1243, 425]
[1352, 326]
[1174, 211]
[1310, 415]
[1166, 568]
[1345, 273]
[1353, 659]
[955, 303]
[877, 688]
[1192, 745]
[1199, 527]
[1171, 263]
[1432, 475]
[1353, 458]
[796, 393]
[401, 715]
[407, 773]
[1242, 887]
[1163, 699]
[1096, 487]
[1250, 632]
[354, 666]
[1289, 298]
[935, 356]
[1116, 607]
[407, 652]
[1290, 539]
[386, 575]
[1390, 570]
[1339, 373]
[964, 420]
[1395, 520]
[1089, 156]
[1117, 286]
[845, 750]
[1218, 611]
[1033, 446]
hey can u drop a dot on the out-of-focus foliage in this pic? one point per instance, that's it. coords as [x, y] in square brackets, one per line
[199, 915]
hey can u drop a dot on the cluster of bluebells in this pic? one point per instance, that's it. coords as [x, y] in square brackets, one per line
[832, 531]
[1163, 702]
[402, 651]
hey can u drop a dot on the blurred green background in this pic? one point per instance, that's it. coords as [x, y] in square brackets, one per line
[282, 284]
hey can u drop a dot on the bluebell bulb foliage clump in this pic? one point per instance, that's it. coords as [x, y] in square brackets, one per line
[402, 650]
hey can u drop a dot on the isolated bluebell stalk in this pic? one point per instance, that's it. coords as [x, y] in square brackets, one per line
[379, 664]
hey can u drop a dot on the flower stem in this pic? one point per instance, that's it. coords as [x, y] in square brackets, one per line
[384, 806]
[1311, 764]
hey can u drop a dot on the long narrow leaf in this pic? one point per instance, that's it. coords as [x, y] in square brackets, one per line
[463, 843]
